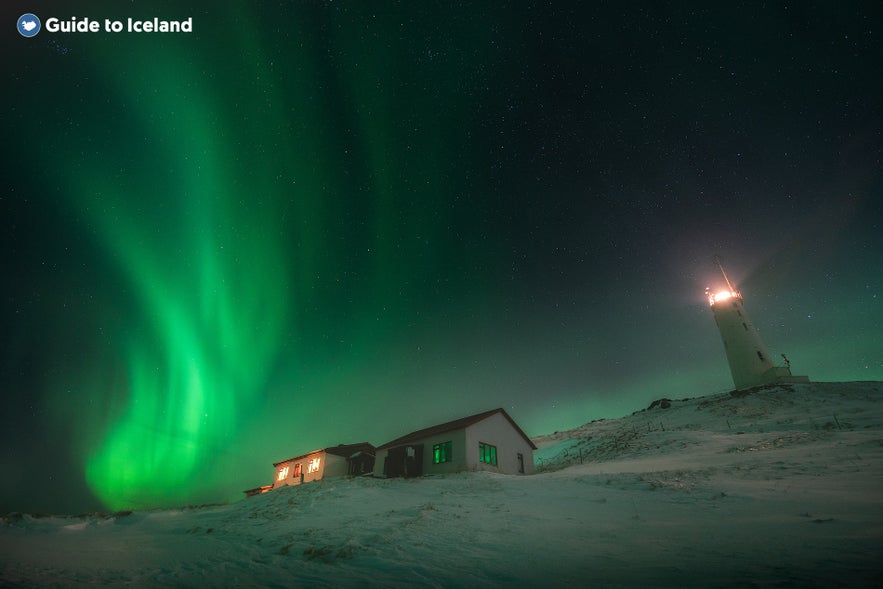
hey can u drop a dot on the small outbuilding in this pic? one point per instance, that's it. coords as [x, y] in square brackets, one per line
[489, 441]
[258, 490]
[337, 461]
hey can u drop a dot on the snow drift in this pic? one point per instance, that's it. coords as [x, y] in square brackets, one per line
[780, 485]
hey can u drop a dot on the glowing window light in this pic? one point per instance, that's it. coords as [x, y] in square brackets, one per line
[487, 453]
[441, 453]
[313, 466]
[283, 472]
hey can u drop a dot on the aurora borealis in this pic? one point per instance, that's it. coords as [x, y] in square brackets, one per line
[315, 223]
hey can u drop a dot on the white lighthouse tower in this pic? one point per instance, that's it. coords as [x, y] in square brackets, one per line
[750, 362]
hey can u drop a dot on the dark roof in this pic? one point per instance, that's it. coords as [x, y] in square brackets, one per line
[345, 450]
[454, 425]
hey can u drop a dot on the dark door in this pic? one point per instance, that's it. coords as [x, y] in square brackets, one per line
[404, 461]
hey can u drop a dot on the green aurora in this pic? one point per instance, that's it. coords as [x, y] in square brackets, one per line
[229, 231]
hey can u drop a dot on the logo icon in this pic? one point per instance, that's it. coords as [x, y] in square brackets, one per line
[28, 25]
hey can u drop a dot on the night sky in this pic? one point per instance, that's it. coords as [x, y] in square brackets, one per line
[312, 223]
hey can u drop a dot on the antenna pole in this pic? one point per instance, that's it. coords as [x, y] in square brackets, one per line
[717, 260]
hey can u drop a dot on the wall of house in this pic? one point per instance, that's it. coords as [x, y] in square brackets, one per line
[497, 431]
[304, 462]
[379, 459]
[458, 452]
[334, 466]
[316, 474]
[330, 465]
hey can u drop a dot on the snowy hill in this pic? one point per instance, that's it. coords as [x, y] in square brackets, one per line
[781, 486]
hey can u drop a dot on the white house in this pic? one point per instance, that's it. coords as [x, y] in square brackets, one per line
[487, 441]
[337, 461]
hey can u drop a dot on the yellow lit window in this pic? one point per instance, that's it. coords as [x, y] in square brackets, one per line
[283, 472]
[313, 466]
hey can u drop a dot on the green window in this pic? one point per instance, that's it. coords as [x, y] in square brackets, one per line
[487, 453]
[441, 453]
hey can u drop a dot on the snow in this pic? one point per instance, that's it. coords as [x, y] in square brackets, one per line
[780, 487]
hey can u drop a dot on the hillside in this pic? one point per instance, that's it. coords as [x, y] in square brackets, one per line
[780, 486]
[764, 418]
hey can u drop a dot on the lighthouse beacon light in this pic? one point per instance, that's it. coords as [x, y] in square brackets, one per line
[723, 295]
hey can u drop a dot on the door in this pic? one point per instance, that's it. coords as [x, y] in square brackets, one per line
[404, 461]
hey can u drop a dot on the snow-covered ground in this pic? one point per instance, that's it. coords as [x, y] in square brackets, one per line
[780, 487]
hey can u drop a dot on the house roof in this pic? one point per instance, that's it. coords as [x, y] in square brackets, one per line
[348, 450]
[461, 423]
[345, 450]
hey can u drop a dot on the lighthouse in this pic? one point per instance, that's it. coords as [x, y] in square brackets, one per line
[750, 362]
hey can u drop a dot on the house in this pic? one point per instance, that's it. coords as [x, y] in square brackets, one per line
[337, 461]
[487, 441]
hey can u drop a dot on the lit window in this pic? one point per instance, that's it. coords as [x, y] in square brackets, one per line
[297, 469]
[487, 453]
[313, 466]
[283, 472]
[441, 453]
